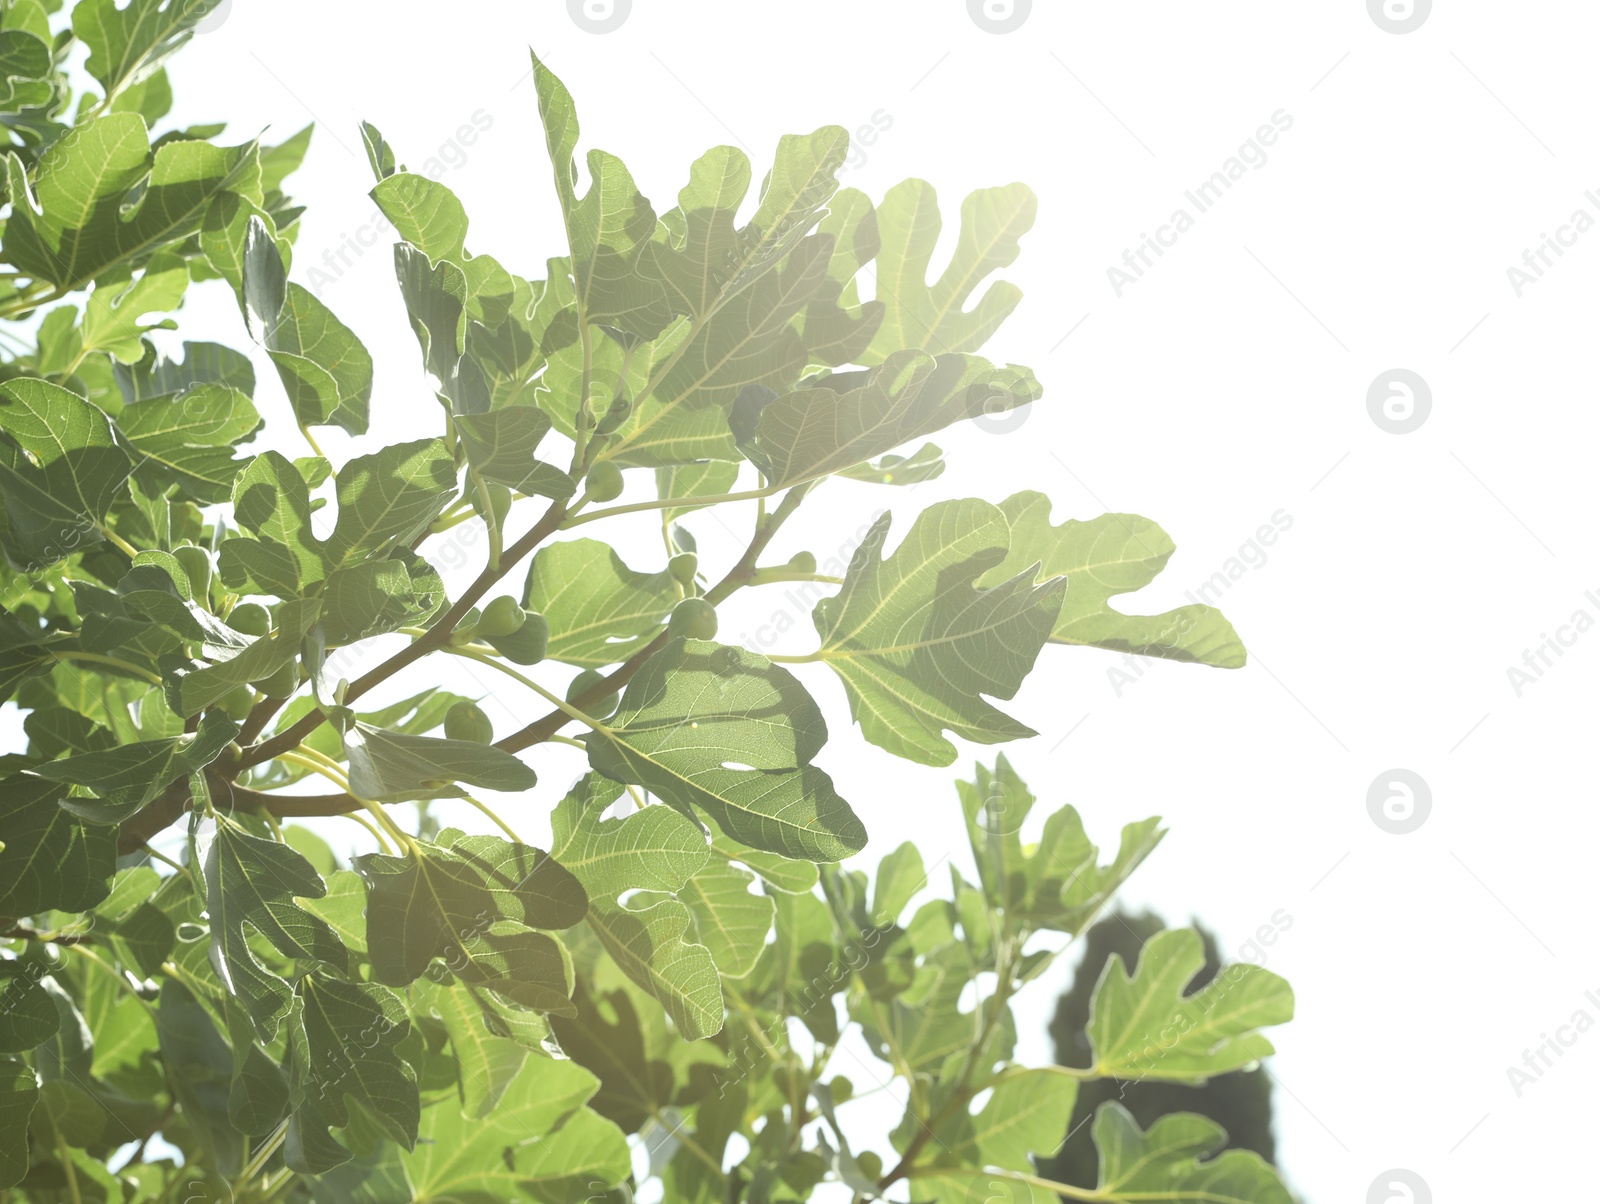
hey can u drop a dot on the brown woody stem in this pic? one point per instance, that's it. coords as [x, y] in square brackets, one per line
[438, 635]
[740, 574]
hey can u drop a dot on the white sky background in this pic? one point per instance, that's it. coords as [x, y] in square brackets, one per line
[1227, 385]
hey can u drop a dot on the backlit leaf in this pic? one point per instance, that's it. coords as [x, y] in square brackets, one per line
[656, 849]
[1101, 558]
[60, 470]
[19, 1090]
[251, 884]
[473, 904]
[387, 766]
[1172, 1163]
[100, 197]
[128, 776]
[343, 1040]
[918, 645]
[935, 317]
[51, 859]
[128, 43]
[1143, 1026]
[600, 611]
[851, 417]
[707, 726]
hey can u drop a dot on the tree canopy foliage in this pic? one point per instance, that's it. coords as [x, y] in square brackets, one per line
[660, 993]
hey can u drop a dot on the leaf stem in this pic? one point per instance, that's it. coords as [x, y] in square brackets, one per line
[991, 1008]
[323, 759]
[32, 298]
[64, 1152]
[376, 835]
[713, 499]
[264, 1154]
[122, 545]
[452, 517]
[162, 857]
[96, 658]
[690, 1144]
[111, 972]
[567, 708]
[76, 361]
[499, 823]
[490, 519]
[315, 767]
[311, 441]
[769, 576]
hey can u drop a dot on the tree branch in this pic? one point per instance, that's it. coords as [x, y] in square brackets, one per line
[288, 806]
[162, 812]
[438, 635]
[740, 574]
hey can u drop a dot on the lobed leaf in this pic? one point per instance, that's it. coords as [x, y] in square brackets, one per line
[474, 904]
[725, 730]
[343, 1041]
[51, 859]
[252, 884]
[60, 470]
[389, 767]
[127, 777]
[917, 643]
[1110, 555]
[1143, 1026]
[1170, 1162]
[848, 418]
[600, 611]
[934, 317]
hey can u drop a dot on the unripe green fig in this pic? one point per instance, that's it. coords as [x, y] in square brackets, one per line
[694, 619]
[196, 563]
[501, 617]
[250, 618]
[280, 684]
[582, 682]
[466, 721]
[499, 502]
[605, 482]
[683, 567]
[237, 703]
[871, 1165]
[803, 562]
[527, 644]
